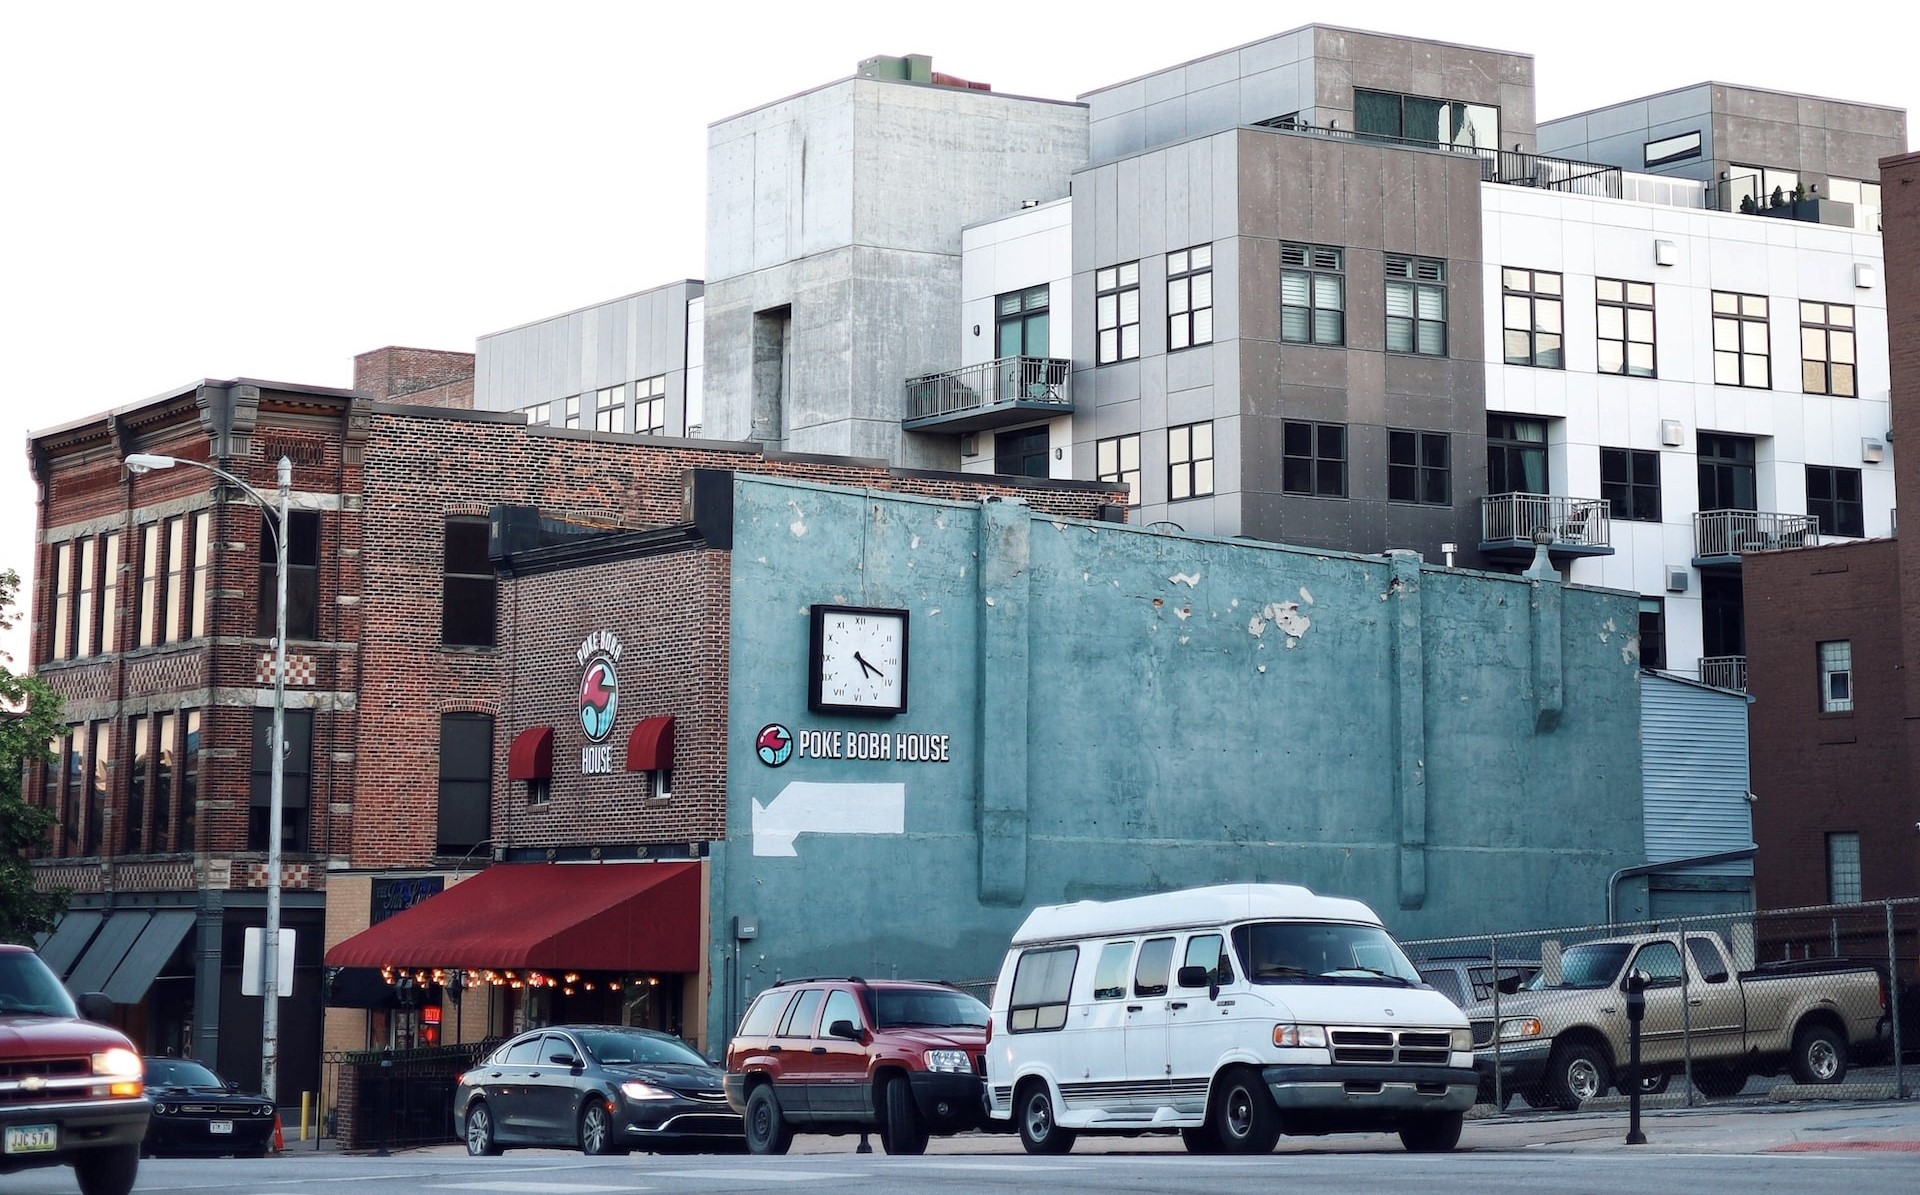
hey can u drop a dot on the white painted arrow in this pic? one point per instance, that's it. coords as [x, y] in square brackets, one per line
[808, 807]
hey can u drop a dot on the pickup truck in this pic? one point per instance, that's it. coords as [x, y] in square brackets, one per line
[71, 1091]
[1562, 1039]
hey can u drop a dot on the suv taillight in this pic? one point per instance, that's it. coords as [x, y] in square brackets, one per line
[989, 1030]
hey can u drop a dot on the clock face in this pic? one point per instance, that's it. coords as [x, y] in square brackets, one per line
[859, 663]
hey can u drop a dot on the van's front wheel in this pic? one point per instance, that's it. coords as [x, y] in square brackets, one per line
[1033, 1111]
[1244, 1120]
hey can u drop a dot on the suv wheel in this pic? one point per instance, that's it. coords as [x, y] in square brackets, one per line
[106, 1171]
[767, 1130]
[902, 1132]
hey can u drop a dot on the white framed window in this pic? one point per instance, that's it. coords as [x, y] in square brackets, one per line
[1313, 295]
[650, 406]
[1843, 868]
[1836, 676]
[610, 409]
[1416, 305]
[1741, 354]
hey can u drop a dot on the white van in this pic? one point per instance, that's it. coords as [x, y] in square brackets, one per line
[1232, 1014]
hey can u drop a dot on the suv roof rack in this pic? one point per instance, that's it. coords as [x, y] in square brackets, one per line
[780, 983]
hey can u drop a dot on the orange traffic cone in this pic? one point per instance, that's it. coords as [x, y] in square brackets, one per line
[279, 1142]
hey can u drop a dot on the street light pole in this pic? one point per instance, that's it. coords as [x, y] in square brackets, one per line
[141, 462]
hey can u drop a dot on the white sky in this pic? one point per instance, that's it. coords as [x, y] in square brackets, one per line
[216, 190]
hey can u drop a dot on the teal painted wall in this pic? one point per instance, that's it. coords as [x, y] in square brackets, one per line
[1130, 711]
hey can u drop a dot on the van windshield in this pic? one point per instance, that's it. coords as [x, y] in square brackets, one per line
[1321, 952]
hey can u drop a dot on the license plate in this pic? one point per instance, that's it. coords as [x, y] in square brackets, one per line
[32, 1139]
[216, 1127]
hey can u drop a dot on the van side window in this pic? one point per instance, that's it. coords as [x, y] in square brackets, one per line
[806, 1010]
[766, 1010]
[1042, 980]
[1156, 963]
[1110, 977]
[1209, 951]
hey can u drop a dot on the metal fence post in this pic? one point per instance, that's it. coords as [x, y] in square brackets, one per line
[1893, 1006]
[1499, 1095]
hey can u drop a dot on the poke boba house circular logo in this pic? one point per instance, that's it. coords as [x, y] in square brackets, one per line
[599, 657]
[774, 745]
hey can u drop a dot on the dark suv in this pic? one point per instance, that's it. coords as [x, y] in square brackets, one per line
[895, 1056]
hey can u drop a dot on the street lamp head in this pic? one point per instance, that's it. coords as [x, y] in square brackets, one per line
[143, 462]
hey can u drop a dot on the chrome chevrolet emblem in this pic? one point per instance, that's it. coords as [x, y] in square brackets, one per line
[32, 1083]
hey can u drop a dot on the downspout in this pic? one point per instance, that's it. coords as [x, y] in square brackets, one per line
[1613, 885]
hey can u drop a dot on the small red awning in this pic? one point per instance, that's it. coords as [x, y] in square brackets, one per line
[531, 756]
[545, 916]
[650, 746]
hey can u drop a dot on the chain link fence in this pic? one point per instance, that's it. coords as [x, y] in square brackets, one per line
[1737, 1005]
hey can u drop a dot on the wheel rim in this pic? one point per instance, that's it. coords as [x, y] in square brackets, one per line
[762, 1123]
[477, 1131]
[1239, 1113]
[1583, 1079]
[1039, 1116]
[593, 1130]
[1823, 1060]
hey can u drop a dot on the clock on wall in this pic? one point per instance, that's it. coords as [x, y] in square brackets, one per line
[858, 661]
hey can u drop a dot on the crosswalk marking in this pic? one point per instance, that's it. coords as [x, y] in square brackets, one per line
[533, 1187]
[755, 1174]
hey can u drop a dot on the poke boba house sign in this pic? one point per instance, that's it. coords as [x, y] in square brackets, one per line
[599, 659]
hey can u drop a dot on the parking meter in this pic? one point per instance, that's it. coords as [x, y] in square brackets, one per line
[1636, 1013]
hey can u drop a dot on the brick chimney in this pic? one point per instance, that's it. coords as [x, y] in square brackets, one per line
[423, 377]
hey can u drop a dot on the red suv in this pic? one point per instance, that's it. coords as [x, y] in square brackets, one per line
[70, 1091]
[853, 1055]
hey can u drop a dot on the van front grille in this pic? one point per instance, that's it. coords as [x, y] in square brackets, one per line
[1365, 1047]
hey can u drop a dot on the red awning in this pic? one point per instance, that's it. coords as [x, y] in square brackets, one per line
[545, 916]
[650, 746]
[531, 756]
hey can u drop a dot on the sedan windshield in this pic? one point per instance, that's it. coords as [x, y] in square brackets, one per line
[617, 1047]
[178, 1072]
[27, 987]
[1319, 952]
[1586, 966]
[897, 1007]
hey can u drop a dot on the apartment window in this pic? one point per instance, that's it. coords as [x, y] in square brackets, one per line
[1836, 676]
[146, 613]
[540, 414]
[1020, 322]
[1190, 297]
[1420, 468]
[52, 794]
[1826, 349]
[1416, 305]
[539, 790]
[1626, 326]
[199, 572]
[650, 406]
[1668, 150]
[1391, 115]
[1314, 459]
[1833, 497]
[83, 608]
[610, 409]
[189, 777]
[570, 412]
[1740, 340]
[466, 782]
[1653, 632]
[296, 782]
[62, 645]
[1516, 455]
[303, 575]
[1116, 313]
[110, 592]
[165, 729]
[1531, 302]
[1843, 868]
[175, 610]
[1863, 197]
[142, 731]
[99, 757]
[73, 785]
[1728, 479]
[1189, 461]
[1313, 294]
[467, 590]
[1117, 458]
[1025, 452]
[1758, 183]
[1630, 482]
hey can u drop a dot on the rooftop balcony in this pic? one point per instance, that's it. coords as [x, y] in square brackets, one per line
[1721, 537]
[990, 395]
[1726, 672]
[1576, 526]
[1496, 165]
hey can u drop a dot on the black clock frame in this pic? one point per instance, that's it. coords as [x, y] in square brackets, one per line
[816, 645]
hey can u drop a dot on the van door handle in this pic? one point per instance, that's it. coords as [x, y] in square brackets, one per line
[1178, 1004]
[1133, 1008]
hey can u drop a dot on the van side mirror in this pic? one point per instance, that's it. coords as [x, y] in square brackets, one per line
[1199, 977]
[96, 1006]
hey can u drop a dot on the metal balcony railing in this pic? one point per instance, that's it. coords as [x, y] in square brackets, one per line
[1572, 522]
[1496, 165]
[1724, 533]
[1726, 672]
[1014, 382]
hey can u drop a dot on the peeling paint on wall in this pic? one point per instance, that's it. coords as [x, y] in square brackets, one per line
[1306, 596]
[1284, 615]
[799, 524]
[1188, 579]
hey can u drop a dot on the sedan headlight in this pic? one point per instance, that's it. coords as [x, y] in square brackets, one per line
[1461, 1040]
[634, 1089]
[1519, 1028]
[949, 1060]
[1312, 1036]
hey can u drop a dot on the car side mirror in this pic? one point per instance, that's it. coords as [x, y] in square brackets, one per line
[564, 1060]
[96, 1006]
[845, 1030]
[233, 1084]
[1714, 977]
[1510, 984]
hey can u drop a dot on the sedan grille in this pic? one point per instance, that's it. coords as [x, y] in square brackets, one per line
[1419, 1047]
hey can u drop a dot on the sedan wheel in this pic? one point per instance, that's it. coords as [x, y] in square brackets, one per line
[596, 1129]
[480, 1142]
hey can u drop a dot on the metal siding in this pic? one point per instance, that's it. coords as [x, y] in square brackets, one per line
[1694, 772]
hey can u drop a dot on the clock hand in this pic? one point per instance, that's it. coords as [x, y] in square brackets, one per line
[866, 669]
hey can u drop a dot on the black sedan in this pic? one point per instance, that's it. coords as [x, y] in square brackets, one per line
[197, 1112]
[601, 1089]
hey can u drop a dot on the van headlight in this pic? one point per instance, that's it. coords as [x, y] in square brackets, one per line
[1519, 1028]
[949, 1060]
[1310, 1036]
[1461, 1040]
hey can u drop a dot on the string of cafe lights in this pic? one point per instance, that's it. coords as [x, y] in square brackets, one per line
[567, 983]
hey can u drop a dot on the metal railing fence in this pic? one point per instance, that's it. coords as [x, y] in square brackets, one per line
[1042, 381]
[1737, 1004]
[393, 1099]
[1732, 532]
[1584, 522]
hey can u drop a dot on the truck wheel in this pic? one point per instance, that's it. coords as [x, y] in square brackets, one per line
[1033, 1112]
[1720, 1082]
[1576, 1074]
[106, 1171]
[902, 1132]
[1244, 1120]
[1432, 1134]
[1649, 1084]
[767, 1130]
[1819, 1055]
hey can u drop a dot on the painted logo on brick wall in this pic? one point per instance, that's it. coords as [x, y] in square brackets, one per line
[599, 658]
